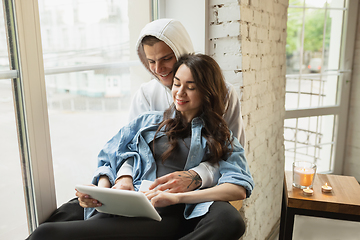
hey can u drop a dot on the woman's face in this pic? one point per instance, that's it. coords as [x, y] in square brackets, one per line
[161, 60]
[185, 93]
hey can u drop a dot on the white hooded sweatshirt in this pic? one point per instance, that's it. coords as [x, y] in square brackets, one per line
[154, 96]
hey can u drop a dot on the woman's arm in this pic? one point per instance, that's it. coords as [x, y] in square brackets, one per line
[108, 159]
[223, 192]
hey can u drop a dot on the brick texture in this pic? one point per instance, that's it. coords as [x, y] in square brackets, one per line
[248, 40]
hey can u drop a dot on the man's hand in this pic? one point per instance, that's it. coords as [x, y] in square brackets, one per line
[124, 183]
[176, 182]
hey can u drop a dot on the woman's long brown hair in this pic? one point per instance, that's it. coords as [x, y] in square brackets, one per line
[210, 83]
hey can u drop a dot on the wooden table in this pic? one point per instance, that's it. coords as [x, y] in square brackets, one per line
[342, 203]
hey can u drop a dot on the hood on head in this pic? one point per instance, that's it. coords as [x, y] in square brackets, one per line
[171, 32]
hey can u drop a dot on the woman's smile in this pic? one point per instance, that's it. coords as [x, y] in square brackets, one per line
[186, 97]
[181, 102]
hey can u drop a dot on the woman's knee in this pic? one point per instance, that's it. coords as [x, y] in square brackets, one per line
[46, 231]
[236, 224]
[232, 222]
[225, 219]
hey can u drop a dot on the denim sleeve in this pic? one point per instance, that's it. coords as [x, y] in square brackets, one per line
[112, 156]
[235, 169]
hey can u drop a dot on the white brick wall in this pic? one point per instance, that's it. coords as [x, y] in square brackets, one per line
[248, 40]
[351, 162]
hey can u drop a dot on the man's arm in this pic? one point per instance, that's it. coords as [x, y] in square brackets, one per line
[233, 115]
[202, 176]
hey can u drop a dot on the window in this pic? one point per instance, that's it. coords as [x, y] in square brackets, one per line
[60, 87]
[87, 54]
[317, 87]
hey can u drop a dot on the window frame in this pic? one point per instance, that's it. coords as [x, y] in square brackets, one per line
[22, 22]
[340, 110]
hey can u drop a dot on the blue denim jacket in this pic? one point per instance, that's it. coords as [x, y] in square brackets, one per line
[132, 142]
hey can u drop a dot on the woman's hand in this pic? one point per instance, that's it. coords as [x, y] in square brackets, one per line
[86, 201]
[124, 183]
[222, 192]
[162, 199]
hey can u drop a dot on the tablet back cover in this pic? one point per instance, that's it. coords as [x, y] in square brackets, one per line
[121, 202]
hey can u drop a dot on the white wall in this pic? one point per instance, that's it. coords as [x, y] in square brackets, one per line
[352, 153]
[192, 15]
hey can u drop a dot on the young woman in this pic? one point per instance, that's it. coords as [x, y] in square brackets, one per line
[191, 131]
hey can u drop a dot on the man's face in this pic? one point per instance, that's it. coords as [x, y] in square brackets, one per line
[161, 60]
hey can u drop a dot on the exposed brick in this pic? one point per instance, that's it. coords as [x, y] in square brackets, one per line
[227, 45]
[229, 61]
[221, 2]
[229, 29]
[257, 18]
[248, 40]
[247, 15]
[229, 13]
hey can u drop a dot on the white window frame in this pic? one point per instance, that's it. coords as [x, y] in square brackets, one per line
[341, 109]
[24, 41]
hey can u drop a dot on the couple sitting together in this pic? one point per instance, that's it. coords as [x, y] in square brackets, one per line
[190, 140]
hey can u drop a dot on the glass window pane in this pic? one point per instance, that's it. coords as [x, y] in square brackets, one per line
[79, 32]
[310, 139]
[336, 3]
[4, 60]
[313, 39]
[13, 224]
[87, 107]
[293, 41]
[296, 2]
[318, 54]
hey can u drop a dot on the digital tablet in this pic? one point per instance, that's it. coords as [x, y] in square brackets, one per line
[121, 202]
